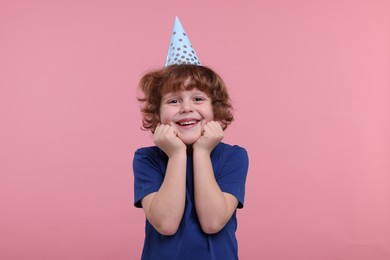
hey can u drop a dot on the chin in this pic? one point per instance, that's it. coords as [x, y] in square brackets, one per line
[189, 140]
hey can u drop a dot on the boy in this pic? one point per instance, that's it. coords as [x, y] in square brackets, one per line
[190, 184]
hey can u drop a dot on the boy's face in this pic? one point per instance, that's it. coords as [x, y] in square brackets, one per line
[188, 110]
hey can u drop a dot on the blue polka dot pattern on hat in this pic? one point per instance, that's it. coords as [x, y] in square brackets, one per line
[180, 47]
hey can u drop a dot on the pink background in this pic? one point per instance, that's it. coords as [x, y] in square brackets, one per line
[310, 85]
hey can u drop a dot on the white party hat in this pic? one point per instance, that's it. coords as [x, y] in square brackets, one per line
[180, 50]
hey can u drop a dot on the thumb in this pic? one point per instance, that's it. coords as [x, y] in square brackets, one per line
[173, 128]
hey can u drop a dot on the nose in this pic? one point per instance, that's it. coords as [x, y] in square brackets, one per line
[186, 107]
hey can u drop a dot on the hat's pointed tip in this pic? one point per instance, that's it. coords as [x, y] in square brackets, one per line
[180, 50]
[177, 22]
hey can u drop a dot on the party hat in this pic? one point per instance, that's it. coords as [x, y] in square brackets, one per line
[180, 50]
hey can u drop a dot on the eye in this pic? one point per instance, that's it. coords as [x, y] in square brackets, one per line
[199, 99]
[173, 101]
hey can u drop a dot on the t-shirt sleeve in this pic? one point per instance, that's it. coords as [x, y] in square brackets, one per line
[232, 175]
[148, 176]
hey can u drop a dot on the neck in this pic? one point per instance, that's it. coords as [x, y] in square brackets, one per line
[189, 149]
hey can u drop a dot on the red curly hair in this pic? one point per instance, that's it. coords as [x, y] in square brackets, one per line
[156, 84]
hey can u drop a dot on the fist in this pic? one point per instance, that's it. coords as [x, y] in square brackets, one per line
[212, 134]
[165, 137]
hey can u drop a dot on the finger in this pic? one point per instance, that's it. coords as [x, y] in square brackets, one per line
[158, 129]
[162, 128]
[211, 124]
[213, 129]
[173, 126]
[206, 128]
[216, 125]
[172, 129]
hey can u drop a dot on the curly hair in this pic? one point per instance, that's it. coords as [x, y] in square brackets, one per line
[156, 84]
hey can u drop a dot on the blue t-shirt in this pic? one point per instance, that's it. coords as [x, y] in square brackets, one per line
[230, 165]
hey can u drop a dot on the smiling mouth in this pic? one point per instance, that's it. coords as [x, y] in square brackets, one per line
[187, 123]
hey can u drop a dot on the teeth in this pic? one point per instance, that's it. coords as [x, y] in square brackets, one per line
[188, 122]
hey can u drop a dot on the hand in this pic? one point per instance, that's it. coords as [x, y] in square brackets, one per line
[212, 134]
[165, 137]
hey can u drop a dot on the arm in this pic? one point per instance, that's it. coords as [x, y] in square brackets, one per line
[214, 207]
[164, 208]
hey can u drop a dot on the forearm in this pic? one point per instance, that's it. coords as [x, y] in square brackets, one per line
[211, 205]
[167, 207]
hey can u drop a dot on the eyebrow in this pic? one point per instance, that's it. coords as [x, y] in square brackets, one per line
[200, 92]
[177, 94]
[168, 96]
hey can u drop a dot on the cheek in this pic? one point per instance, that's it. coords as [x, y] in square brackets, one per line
[165, 116]
[163, 119]
[209, 114]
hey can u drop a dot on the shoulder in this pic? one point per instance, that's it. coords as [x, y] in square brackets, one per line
[228, 150]
[229, 155]
[151, 154]
[150, 151]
